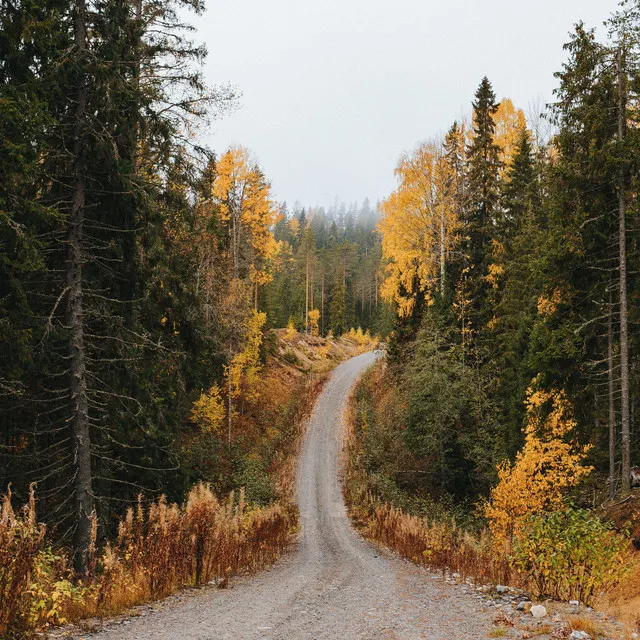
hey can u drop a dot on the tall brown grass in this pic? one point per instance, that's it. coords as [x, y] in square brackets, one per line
[167, 547]
[438, 545]
[159, 549]
[21, 539]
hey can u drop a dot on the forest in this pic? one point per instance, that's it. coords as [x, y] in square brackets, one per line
[162, 315]
[510, 250]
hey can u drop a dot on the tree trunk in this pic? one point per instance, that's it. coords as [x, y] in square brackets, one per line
[79, 406]
[442, 255]
[624, 339]
[322, 305]
[306, 295]
[612, 405]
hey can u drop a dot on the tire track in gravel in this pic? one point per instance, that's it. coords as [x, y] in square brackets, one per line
[334, 586]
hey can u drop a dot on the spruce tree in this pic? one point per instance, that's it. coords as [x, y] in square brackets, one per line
[481, 213]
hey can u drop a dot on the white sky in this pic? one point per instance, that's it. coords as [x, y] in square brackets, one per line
[335, 90]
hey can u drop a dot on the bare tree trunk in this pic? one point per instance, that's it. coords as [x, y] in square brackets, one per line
[234, 246]
[376, 296]
[80, 436]
[612, 405]
[306, 295]
[229, 396]
[624, 334]
[442, 255]
[322, 305]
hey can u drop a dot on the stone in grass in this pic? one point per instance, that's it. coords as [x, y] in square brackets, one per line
[538, 611]
[500, 588]
[579, 635]
[574, 603]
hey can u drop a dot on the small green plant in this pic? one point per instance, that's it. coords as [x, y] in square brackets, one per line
[570, 554]
[290, 356]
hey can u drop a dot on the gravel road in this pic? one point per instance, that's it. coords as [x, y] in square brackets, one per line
[334, 585]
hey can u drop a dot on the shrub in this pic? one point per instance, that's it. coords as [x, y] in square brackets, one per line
[290, 356]
[570, 554]
[208, 412]
[548, 465]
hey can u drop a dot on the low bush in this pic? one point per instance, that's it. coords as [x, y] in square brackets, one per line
[570, 554]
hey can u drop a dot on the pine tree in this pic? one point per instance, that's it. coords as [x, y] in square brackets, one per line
[483, 167]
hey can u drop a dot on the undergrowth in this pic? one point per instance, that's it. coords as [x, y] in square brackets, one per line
[159, 549]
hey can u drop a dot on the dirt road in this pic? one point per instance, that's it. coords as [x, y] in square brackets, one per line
[335, 585]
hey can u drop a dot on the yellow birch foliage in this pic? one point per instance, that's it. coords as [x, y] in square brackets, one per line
[314, 318]
[208, 411]
[509, 124]
[245, 366]
[549, 464]
[411, 227]
[244, 198]
[291, 331]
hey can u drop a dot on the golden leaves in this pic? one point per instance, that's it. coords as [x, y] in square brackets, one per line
[547, 306]
[418, 223]
[548, 465]
[208, 411]
[510, 123]
[244, 202]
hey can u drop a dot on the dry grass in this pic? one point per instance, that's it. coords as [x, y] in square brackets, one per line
[159, 550]
[168, 547]
[21, 539]
[439, 545]
[586, 624]
[623, 602]
[498, 632]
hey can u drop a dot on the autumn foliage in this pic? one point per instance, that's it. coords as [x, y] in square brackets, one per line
[547, 467]
[21, 540]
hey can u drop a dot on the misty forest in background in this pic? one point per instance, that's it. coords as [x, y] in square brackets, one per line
[140, 272]
[511, 254]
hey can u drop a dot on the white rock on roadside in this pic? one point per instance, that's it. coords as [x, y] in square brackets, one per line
[574, 603]
[538, 611]
[579, 635]
[501, 588]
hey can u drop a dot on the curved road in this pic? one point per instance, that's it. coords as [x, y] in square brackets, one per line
[335, 585]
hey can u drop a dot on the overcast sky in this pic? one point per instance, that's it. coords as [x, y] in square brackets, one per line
[335, 90]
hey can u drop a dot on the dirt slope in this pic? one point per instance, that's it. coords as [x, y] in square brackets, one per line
[334, 585]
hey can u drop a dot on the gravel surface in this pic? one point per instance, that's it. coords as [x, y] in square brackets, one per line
[334, 585]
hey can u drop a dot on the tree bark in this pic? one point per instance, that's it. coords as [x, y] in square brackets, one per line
[612, 405]
[624, 333]
[79, 406]
[306, 294]
[442, 254]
